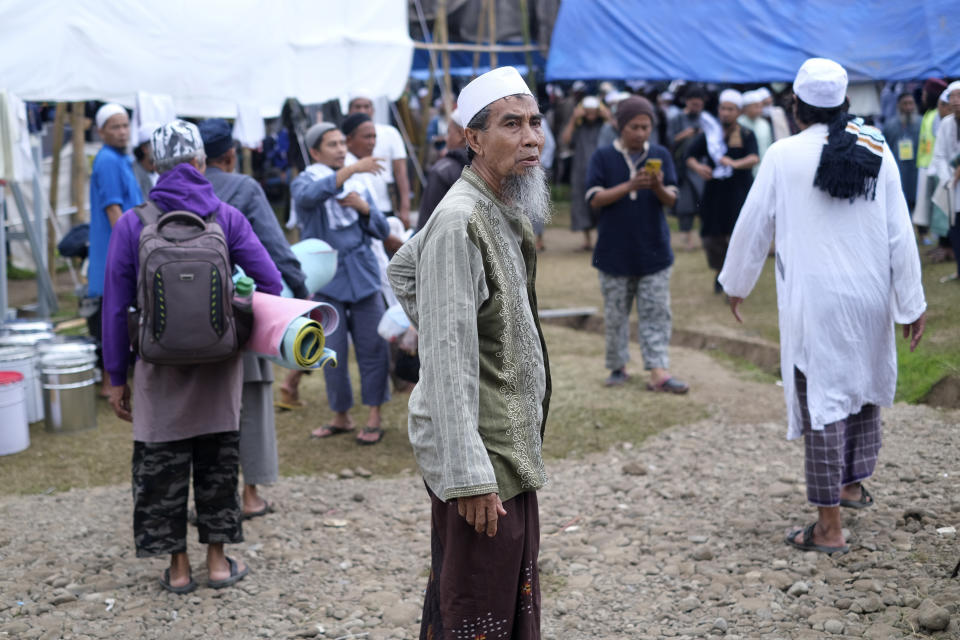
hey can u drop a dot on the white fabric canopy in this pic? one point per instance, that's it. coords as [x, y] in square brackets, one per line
[209, 56]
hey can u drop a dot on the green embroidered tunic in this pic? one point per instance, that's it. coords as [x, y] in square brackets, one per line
[467, 282]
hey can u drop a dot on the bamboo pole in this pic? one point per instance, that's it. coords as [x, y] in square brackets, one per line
[444, 36]
[481, 23]
[528, 55]
[58, 121]
[247, 161]
[493, 34]
[464, 46]
[425, 112]
[78, 168]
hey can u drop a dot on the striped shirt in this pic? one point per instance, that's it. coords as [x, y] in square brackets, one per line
[467, 281]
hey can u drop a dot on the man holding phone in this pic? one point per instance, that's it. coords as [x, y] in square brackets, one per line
[628, 186]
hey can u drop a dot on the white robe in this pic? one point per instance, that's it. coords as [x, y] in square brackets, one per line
[845, 274]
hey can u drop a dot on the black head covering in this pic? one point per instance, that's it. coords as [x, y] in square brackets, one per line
[352, 121]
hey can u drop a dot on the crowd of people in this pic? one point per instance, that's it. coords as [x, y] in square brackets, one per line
[463, 266]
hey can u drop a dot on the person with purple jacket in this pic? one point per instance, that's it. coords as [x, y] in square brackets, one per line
[183, 416]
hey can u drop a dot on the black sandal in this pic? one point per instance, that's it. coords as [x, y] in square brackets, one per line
[368, 431]
[809, 545]
[866, 500]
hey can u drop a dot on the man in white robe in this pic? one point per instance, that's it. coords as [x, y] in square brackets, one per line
[847, 269]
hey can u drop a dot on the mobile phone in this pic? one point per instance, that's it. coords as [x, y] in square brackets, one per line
[653, 165]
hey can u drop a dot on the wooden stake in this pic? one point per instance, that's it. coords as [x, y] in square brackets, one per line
[78, 168]
[493, 34]
[58, 121]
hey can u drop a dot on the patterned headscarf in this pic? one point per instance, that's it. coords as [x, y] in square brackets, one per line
[175, 139]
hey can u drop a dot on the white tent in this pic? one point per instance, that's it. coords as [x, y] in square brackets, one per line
[209, 55]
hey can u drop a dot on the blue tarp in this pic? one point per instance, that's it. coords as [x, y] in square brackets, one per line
[744, 41]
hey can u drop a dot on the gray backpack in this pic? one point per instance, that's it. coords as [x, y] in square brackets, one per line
[184, 310]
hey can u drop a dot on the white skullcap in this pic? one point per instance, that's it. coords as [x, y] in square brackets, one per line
[764, 93]
[591, 102]
[612, 97]
[145, 132]
[732, 96]
[175, 139]
[360, 93]
[488, 88]
[666, 95]
[821, 83]
[953, 86]
[752, 97]
[107, 111]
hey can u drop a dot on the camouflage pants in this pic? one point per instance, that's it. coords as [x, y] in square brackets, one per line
[652, 293]
[161, 483]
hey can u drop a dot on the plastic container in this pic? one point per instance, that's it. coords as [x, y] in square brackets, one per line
[14, 430]
[19, 327]
[393, 324]
[24, 360]
[69, 391]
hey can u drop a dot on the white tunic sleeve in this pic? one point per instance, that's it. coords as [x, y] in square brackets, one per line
[907, 300]
[753, 232]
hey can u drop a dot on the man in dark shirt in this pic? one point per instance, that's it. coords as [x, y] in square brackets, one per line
[445, 171]
[258, 441]
[723, 156]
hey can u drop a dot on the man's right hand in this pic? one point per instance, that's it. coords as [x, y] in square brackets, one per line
[914, 330]
[369, 165]
[704, 171]
[482, 512]
[120, 401]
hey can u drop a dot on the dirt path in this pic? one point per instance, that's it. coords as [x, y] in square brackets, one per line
[679, 537]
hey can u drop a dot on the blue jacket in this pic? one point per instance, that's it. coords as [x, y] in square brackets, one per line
[358, 272]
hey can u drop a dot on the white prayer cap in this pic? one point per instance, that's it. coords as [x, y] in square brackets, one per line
[732, 96]
[361, 93]
[145, 132]
[107, 111]
[821, 83]
[666, 95]
[764, 93]
[591, 102]
[612, 97]
[752, 97]
[953, 86]
[488, 88]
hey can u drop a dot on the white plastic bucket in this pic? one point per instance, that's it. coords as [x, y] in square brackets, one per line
[14, 431]
[24, 360]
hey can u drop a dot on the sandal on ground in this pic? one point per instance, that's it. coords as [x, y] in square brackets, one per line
[809, 545]
[181, 590]
[670, 385]
[235, 576]
[267, 508]
[949, 278]
[328, 430]
[866, 500]
[289, 401]
[370, 431]
[617, 378]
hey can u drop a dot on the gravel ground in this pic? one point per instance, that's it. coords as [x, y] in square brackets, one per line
[678, 537]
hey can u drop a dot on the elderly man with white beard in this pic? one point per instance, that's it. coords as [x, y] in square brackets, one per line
[467, 282]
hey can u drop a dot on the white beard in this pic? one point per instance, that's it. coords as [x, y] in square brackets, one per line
[530, 193]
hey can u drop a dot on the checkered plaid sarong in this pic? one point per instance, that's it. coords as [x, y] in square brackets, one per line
[843, 453]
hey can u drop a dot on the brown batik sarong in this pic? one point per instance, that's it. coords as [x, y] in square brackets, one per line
[483, 588]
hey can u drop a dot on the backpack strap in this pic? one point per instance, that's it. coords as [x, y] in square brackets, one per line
[148, 212]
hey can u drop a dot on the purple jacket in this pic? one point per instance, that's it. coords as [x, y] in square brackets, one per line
[184, 188]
